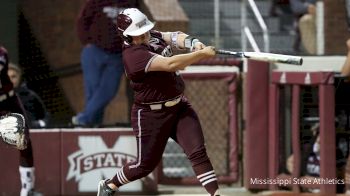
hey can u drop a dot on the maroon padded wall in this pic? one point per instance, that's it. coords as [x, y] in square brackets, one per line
[256, 124]
[72, 161]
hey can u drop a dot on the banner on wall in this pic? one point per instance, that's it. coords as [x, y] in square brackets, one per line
[73, 161]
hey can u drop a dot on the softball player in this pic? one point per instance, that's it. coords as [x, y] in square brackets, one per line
[9, 102]
[160, 110]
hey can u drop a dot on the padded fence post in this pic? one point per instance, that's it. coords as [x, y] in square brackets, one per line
[256, 133]
[274, 102]
[327, 133]
[296, 135]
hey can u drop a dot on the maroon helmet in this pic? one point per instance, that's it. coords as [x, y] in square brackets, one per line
[4, 59]
[123, 22]
[132, 22]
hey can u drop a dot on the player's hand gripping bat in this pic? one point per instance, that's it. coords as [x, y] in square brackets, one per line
[262, 56]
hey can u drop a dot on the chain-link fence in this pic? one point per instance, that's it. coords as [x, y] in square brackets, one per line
[210, 97]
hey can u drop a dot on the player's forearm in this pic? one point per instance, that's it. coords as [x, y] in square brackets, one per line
[175, 39]
[179, 62]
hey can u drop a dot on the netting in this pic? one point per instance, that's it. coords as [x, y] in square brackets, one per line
[40, 77]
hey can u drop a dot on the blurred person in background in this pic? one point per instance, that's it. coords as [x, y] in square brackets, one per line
[279, 7]
[310, 160]
[101, 58]
[282, 10]
[10, 103]
[34, 106]
[347, 6]
[305, 27]
[345, 70]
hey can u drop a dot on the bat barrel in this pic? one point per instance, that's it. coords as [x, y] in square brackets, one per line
[298, 61]
[262, 56]
[288, 59]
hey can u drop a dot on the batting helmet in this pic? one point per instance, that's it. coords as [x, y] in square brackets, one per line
[132, 22]
[4, 59]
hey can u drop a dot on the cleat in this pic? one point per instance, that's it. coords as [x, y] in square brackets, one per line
[34, 193]
[104, 190]
[217, 193]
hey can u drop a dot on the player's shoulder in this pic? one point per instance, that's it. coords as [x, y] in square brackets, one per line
[135, 53]
[129, 49]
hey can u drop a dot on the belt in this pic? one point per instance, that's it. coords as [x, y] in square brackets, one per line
[5, 96]
[170, 103]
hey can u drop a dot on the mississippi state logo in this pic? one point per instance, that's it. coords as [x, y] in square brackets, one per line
[95, 161]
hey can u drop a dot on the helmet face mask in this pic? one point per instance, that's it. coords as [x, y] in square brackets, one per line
[132, 22]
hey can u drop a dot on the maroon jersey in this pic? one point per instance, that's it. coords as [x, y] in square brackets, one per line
[155, 86]
[96, 23]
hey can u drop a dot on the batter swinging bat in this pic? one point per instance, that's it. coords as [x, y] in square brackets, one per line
[262, 56]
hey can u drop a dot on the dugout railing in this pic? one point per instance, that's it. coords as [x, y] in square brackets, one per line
[296, 81]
